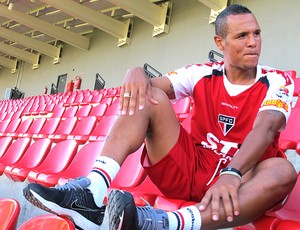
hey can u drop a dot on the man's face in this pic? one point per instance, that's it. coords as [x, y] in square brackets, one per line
[242, 45]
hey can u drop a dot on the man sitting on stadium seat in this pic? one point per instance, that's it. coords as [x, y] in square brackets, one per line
[228, 163]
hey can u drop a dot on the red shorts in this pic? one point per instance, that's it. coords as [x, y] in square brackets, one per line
[185, 171]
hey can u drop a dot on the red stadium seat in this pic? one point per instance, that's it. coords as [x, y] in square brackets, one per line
[3, 125]
[290, 136]
[146, 191]
[35, 127]
[107, 100]
[83, 111]
[14, 153]
[33, 156]
[57, 160]
[131, 173]
[98, 111]
[182, 106]
[86, 99]
[112, 109]
[102, 128]
[82, 130]
[288, 225]
[96, 98]
[22, 128]
[58, 112]
[292, 73]
[64, 128]
[81, 164]
[297, 86]
[9, 213]
[47, 221]
[48, 128]
[70, 112]
[11, 127]
[5, 142]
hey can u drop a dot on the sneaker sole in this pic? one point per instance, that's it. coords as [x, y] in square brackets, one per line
[118, 203]
[75, 217]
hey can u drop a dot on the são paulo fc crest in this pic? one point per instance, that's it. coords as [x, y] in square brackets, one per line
[226, 123]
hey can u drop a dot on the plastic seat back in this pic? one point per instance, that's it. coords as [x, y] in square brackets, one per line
[3, 125]
[56, 160]
[49, 127]
[14, 152]
[297, 86]
[9, 213]
[70, 112]
[35, 127]
[66, 126]
[83, 111]
[82, 163]
[12, 126]
[58, 111]
[5, 142]
[290, 135]
[33, 156]
[47, 221]
[84, 126]
[182, 106]
[98, 110]
[112, 109]
[22, 128]
[102, 128]
[131, 173]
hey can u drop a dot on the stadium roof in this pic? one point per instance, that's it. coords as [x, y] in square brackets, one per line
[31, 28]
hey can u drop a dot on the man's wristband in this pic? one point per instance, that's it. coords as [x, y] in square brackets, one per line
[231, 171]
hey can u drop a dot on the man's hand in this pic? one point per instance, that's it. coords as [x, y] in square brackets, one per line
[135, 90]
[223, 192]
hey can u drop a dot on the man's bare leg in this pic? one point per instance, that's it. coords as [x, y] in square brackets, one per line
[157, 123]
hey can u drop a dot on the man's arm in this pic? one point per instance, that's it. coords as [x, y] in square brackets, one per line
[266, 126]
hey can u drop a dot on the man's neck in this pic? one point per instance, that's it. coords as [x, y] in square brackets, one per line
[241, 76]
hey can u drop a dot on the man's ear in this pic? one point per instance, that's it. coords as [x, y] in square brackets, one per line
[219, 42]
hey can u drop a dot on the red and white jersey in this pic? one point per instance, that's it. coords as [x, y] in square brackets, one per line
[224, 113]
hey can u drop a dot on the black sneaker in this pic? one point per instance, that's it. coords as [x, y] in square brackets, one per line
[124, 215]
[72, 200]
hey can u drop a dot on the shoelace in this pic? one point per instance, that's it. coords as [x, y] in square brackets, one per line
[79, 183]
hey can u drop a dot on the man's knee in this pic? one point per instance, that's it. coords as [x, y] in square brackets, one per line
[280, 172]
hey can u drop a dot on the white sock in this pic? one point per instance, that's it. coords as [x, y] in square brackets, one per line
[104, 170]
[187, 218]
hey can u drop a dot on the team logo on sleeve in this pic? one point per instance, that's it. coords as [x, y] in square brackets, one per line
[226, 123]
[282, 93]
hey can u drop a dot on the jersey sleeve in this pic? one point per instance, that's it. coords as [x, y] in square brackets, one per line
[280, 93]
[184, 79]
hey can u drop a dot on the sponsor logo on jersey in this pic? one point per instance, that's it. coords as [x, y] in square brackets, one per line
[278, 103]
[226, 123]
